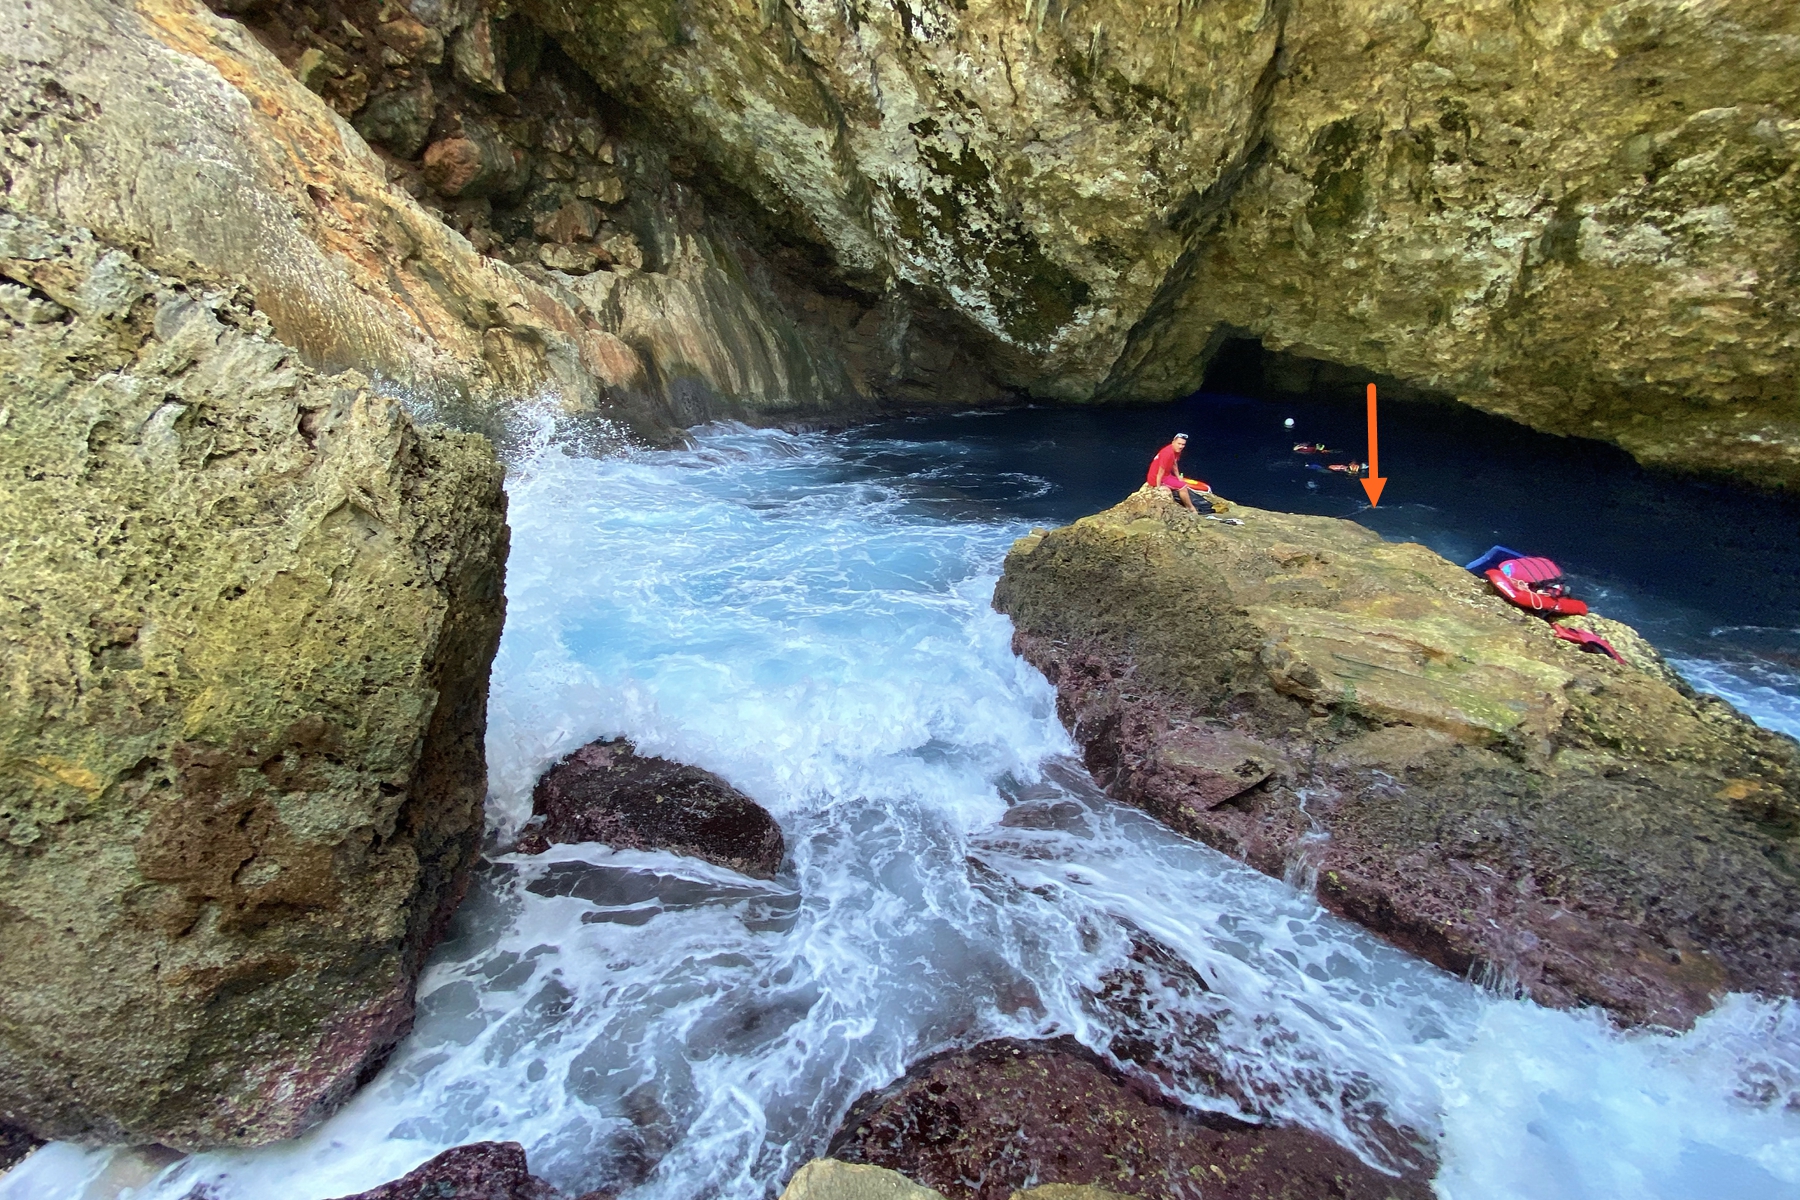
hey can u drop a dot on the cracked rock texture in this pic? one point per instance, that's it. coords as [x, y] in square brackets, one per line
[246, 620]
[438, 198]
[1494, 799]
[1581, 214]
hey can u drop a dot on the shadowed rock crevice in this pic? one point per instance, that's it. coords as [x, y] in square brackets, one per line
[1242, 366]
[15, 1144]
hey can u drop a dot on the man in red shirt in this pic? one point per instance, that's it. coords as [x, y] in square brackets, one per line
[1165, 471]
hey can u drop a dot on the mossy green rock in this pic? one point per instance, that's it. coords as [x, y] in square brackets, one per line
[1494, 798]
[247, 618]
[1581, 215]
[829, 1179]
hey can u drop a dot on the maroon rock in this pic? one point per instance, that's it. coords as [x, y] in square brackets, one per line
[478, 162]
[1457, 876]
[608, 792]
[478, 1171]
[979, 1124]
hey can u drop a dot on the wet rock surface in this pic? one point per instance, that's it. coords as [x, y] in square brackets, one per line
[247, 619]
[608, 792]
[478, 1171]
[1372, 720]
[980, 1124]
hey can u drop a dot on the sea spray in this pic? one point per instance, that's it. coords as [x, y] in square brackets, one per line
[797, 615]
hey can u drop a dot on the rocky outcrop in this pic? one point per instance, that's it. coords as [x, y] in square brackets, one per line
[608, 792]
[478, 1171]
[829, 1179]
[539, 168]
[1372, 721]
[247, 615]
[1582, 218]
[979, 1124]
[278, 194]
[426, 195]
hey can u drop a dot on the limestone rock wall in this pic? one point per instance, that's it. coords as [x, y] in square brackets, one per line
[413, 193]
[162, 127]
[1009, 158]
[1579, 214]
[246, 618]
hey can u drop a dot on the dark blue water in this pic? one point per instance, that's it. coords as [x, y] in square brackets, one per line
[1709, 573]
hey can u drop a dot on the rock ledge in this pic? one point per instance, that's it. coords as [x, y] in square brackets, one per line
[1331, 707]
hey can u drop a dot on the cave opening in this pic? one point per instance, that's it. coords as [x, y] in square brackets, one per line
[1243, 366]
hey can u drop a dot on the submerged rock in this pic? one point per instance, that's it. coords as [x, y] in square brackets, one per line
[478, 1171]
[246, 623]
[608, 792]
[1371, 720]
[980, 1124]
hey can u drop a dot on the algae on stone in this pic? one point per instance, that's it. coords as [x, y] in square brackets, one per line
[247, 615]
[1495, 799]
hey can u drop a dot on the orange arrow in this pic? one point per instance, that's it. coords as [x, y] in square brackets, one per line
[1374, 483]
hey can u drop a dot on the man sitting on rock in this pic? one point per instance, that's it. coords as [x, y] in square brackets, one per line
[1165, 471]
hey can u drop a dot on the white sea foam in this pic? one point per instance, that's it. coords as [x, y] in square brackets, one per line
[1757, 688]
[819, 634]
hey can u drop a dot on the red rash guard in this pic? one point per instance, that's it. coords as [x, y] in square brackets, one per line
[1163, 464]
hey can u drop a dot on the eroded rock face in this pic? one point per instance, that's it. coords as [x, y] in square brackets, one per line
[247, 616]
[1579, 217]
[980, 1124]
[440, 251]
[608, 792]
[1494, 798]
[694, 303]
[281, 196]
